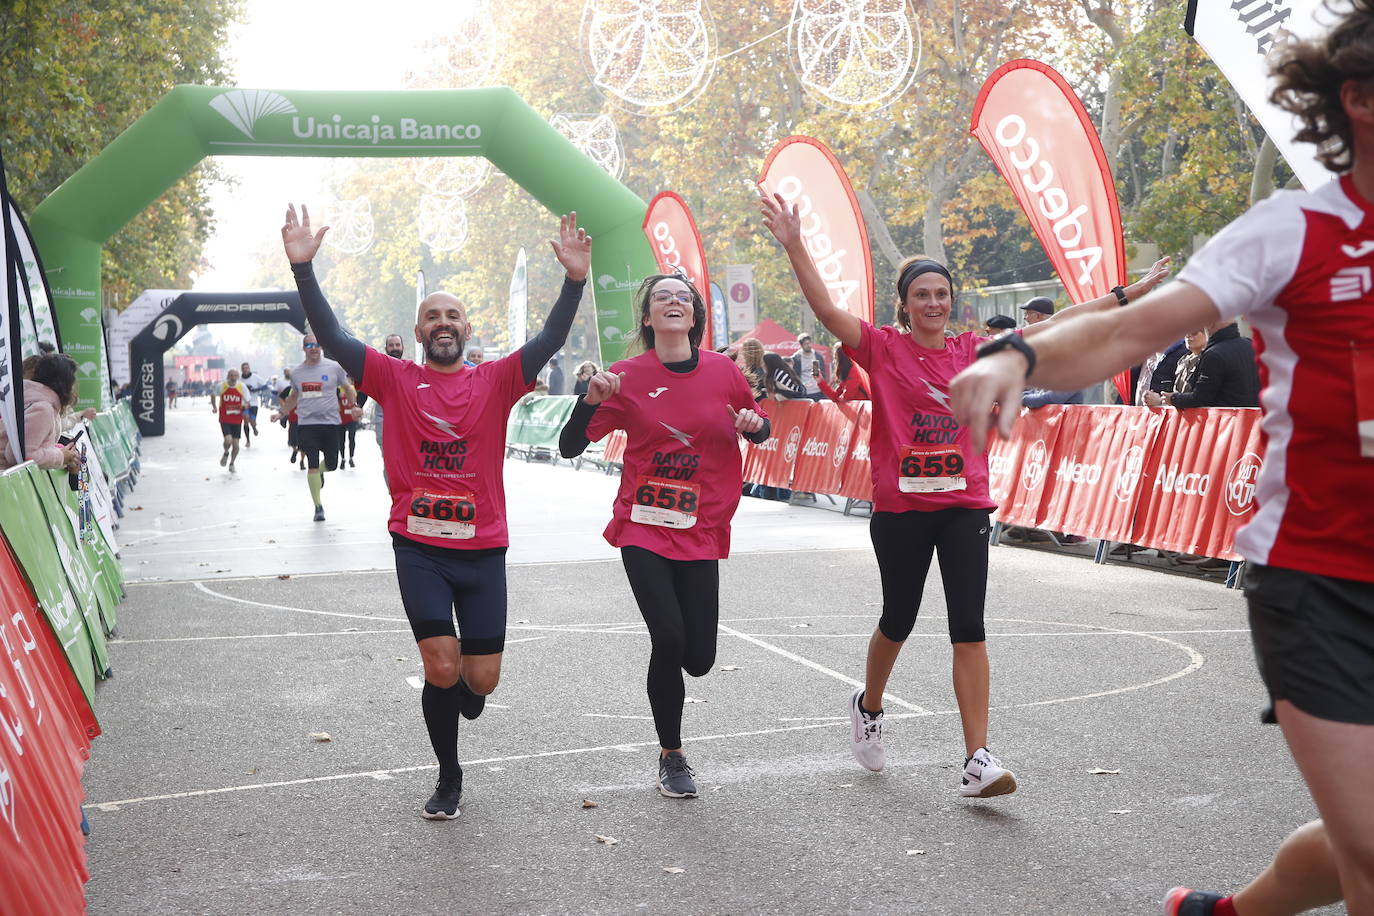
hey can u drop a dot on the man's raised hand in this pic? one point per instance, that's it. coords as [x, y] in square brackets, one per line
[573, 248]
[603, 385]
[296, 238]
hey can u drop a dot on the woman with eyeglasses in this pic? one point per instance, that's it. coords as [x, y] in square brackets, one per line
[683, 410]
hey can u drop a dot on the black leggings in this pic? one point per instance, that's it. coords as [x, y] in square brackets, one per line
[904, 543]
[680, 601]
[348, 435]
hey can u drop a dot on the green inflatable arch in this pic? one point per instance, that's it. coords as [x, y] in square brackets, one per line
[192, 122]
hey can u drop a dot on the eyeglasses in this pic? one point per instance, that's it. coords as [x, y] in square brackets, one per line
[684, 297]
[311, 346]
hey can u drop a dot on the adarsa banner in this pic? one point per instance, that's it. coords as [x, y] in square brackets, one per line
[804, 172]
[673, 235]
[1044, 144]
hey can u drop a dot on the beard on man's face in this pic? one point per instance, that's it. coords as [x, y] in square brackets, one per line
[446, 352]
[396, 352]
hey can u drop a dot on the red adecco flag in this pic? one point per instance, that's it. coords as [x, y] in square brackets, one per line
[673, 235]
[805, 173]
[1044, 144]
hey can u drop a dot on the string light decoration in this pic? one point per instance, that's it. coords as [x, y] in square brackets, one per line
[463, 58]
[652, 57]
[596, 137]
[443, 222]
[351, 227]
[857, 54]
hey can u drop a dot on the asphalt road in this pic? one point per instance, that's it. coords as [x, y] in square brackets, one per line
[212, 792]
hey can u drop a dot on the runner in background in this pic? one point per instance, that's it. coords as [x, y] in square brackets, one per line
[1296, 267]
[444, 448]
[233, 399]
[683, 410]
[394, 347]
[930, 486]
[290, 420]
[257, 391]
[317, 385]
[348, 431]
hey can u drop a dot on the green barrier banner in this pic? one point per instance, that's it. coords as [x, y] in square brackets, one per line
[86, 534]
[538, 423]
[192, 122]
[80, 577]
[19, 509]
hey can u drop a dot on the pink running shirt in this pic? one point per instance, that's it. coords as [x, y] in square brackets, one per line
[444, 444]
[683, 468]
[921, 458]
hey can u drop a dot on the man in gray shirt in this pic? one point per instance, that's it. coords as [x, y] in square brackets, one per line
[315, 387]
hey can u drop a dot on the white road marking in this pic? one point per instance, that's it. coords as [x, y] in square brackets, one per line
[606, 715]
[815, 666]
[201, 586]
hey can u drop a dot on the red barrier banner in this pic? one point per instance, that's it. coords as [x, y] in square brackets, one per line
[1099, 463]
[42, 752]
[856, 477]
[770, 462]
[804, 172]
[1038, 434]
[1043, 143]
[825, 445]
[614, 451]
[1201, 482]
[673, 236]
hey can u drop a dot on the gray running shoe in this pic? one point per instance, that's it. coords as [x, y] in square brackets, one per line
[319, 513]
[675, 776]
[443, 804]
[224, 459]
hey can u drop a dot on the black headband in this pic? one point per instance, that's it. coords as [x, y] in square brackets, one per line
[914, 270]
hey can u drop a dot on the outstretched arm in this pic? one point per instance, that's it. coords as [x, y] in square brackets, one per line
[1137, 290]
[1076, 354]
[785, 224]
[301, 246]
[573, 248]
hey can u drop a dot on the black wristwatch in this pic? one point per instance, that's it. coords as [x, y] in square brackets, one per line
[1013, 340]
[1120, 296]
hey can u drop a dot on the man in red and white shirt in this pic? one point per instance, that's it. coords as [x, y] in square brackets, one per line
[1300, 268]
[233, 401]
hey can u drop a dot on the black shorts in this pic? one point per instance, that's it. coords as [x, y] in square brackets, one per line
[437, 582]
[1314, 641]
[231, 429]
[904, 544]
[316, 439]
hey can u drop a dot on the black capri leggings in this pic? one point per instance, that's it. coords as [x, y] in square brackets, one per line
[904, 543]
[680, 601]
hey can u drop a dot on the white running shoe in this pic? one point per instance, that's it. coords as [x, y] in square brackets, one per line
[984, 777]
[866, 734]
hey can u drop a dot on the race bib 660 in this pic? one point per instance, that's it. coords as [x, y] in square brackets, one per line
[442, 515]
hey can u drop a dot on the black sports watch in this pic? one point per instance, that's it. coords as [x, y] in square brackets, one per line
[1013, 340]
[1120, 296]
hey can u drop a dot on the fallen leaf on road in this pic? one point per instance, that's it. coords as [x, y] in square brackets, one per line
[271, 540]
[729, 667]
[608, 840]
[588, 803]
[522, 621]
[284, 576]
[674, 870]
[322, 737]
[692, 700]
[798, 626]
[915, 852]
[140, 508]
[1098, 771]
[1122, 811]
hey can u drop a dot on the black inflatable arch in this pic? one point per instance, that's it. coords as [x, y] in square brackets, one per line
[181, 315]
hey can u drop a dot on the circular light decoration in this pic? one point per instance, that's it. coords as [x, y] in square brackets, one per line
[854, 53]
[351, 228]
[463, 57]
[595, 137]
[652, 56]
[443, 222]
[457, 175]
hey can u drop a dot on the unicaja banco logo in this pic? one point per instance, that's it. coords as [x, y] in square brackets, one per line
[243, 108]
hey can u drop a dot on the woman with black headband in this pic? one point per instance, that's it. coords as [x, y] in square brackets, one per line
[930, 488]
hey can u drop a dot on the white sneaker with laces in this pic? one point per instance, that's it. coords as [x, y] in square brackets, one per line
[866, 734]
[984, 777]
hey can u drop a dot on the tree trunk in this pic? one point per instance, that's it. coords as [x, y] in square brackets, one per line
[878, 231]
[933, 231]
[1262, 178]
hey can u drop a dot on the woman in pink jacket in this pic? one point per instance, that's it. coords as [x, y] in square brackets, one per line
[52, 387]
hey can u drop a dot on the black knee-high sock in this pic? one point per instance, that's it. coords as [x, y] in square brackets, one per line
[440, 705]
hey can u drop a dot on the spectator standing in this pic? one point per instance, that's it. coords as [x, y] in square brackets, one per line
[474, 357]
[809, 366]
[51, 388]
[1039, 309]
[750, 362]
[851, 381]
[555, 376]
[999, 323]
[1226, 373]
[585, 371]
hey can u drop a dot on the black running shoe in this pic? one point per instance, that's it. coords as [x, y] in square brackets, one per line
[319, 513]
[1184, 901]
[443, 804]
[469, 704]
[675, 776]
